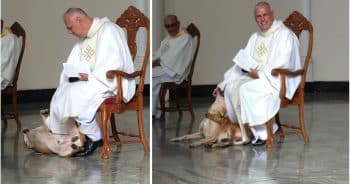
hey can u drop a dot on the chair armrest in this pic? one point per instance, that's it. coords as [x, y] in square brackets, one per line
[284, 73]
[120, 75]
[278, 71]
[115, 73]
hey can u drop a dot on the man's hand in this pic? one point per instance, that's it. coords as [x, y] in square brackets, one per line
[253, 73]
[156, 63]
[83, 76]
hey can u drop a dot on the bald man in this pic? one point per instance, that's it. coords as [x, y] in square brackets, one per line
[252, 95]
[102, 47]
[172, 61]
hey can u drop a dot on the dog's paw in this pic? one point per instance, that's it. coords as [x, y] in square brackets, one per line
[239, 141]
[45, 112]
[174, 140]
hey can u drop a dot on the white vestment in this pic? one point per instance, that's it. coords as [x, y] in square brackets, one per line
[10, 50]
[259, 98]
[175, 54]
[80, 100]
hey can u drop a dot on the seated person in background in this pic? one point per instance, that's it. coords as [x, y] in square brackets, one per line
[172, 61]
[102, 47]
[252, 97]
[10, 50]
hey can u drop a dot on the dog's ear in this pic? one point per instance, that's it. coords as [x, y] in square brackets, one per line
[27, 141]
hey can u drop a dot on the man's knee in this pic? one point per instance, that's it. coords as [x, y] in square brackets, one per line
[243, 91]
[156, 82]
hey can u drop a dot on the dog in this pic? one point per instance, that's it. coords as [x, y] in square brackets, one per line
[215, 130]
[42, 140]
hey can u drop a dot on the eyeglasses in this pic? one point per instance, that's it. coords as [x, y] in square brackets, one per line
[171, 25]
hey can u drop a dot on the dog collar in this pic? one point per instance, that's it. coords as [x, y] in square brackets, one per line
[217, 118]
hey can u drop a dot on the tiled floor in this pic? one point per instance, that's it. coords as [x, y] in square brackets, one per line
[128, 164]
[324, 160]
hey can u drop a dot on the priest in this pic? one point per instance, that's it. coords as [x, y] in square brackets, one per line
[252, 95]
[172, 61]
[102, 47]
[10, 50]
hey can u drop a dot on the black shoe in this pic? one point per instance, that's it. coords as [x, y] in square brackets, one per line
[89, 147]
[99, 143]
[259, 142]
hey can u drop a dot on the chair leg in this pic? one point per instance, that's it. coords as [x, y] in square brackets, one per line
[177, 100]
[105, 117]
[142, 131]
[269, 141]
[277, 118]
[4, 127]
[162, 102]
[302, 123]
[14, 107]
[3, 117]
[114, 129]
[189, 99]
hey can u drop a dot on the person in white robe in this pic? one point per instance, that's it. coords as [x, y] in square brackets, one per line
[252, 95]
[102, 47]
[10, 50]
[172, 61]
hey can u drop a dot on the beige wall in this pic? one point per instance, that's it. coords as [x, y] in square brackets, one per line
[331, 39]
[226, 25]
[48, 43]
[157, 29]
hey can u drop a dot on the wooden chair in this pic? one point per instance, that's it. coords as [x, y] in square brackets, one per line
[186, 84]
[297, 23]
[11, 89]
[132, 19]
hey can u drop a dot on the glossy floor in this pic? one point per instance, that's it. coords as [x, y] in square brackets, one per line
[128, 164]
[324, 160]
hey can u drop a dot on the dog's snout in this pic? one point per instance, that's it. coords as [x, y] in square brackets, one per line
[25, 131]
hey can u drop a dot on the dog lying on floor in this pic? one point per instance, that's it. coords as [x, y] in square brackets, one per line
[215, 130]
[42, 140]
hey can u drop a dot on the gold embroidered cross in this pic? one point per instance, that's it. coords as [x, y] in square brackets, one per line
[88, 53]
[261, 50]
[166, 47]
